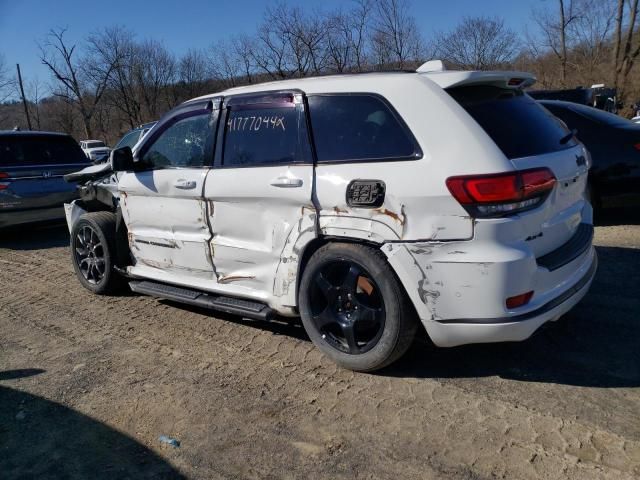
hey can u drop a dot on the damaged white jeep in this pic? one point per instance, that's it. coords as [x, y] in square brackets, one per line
[366, 204]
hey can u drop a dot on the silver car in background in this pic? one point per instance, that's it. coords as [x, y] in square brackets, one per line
[32, 166]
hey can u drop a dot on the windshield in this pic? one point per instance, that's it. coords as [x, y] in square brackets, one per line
[518, 125]
[129, 140]
[94, 144]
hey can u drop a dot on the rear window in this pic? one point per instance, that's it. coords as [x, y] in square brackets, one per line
[358, 127]
[24, 150]
[518, 125]
[601, 116]
[94, 144]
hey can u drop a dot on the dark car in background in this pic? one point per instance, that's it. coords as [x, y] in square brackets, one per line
[614, 144]
[133, 136]
[32, 166]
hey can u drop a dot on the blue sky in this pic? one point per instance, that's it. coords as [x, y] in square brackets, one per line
[183, 24]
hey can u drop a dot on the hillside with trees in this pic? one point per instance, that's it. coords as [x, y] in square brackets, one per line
[113, 80]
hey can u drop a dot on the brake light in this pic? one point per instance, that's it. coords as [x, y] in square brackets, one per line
[502, 194]
[519, 300]
[3, 185]
[637, 146]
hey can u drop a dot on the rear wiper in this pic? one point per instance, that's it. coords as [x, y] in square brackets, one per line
[568, 136]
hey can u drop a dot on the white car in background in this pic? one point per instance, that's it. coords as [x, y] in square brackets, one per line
[95, 150]
[370, 205]
[636, 119]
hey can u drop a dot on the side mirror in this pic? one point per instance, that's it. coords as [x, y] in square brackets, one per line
[122, 159]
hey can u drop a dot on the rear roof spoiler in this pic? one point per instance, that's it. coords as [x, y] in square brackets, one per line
[436, 71]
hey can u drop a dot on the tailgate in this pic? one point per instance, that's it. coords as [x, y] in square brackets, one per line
[558, 218]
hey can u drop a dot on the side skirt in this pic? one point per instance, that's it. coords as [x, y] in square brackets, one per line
[235, 306]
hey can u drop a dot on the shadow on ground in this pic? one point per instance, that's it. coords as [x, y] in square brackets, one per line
[35, 237]
[594, 345]
[597, 344]
[45, 440]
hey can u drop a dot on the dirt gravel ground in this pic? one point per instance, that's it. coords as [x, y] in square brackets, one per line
[89, 383]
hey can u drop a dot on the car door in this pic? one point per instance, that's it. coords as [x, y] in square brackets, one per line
[260, 195]
[162, 200]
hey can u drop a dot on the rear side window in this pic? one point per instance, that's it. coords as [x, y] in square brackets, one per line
[261, 135]
[358, 127]
[518, 125]
[25, 150]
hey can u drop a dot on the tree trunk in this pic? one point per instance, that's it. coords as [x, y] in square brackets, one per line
[563, 46]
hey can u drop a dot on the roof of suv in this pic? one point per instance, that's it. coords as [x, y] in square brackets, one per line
[371, 81]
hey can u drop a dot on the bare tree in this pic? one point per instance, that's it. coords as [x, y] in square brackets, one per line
[395, 36]
[591, 33]
[154, 73]
[554, 27]
[192, 72]
[626, 46]
[226, 62]
[81, 82]
[478, 43]
[346, 37]
[6, 81]
[34, 94]
[115, 46]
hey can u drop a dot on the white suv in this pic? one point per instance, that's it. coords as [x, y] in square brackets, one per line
[367, 204]
[95, 150]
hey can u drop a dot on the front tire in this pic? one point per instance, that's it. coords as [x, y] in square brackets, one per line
[354, 309]
[93, 252]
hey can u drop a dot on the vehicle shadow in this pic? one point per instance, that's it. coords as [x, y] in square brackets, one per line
[617, 216]
[291, 327]
[44, 439]
[594, 345]
[35, 237]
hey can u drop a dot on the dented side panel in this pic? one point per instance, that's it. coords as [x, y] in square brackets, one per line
[168, 225]
[259, 228]
[415, 206]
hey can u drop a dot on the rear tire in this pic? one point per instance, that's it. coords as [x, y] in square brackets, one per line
[354, 309]
[93, 252]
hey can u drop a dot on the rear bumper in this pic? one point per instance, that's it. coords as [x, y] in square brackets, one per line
[450, 333]
[459, 289]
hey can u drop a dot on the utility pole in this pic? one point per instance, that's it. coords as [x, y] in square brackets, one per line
[24, 100]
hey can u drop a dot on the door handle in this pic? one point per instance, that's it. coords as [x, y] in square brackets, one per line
[287, 182]
[185, 184]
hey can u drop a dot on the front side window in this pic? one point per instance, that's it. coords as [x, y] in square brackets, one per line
[184, 144]
[358, 127]
[261, 135]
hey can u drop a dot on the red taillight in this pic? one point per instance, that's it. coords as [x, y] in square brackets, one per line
[514, 82]
[502, 193]
[519, 300]
[3, 185]
[637, 146]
